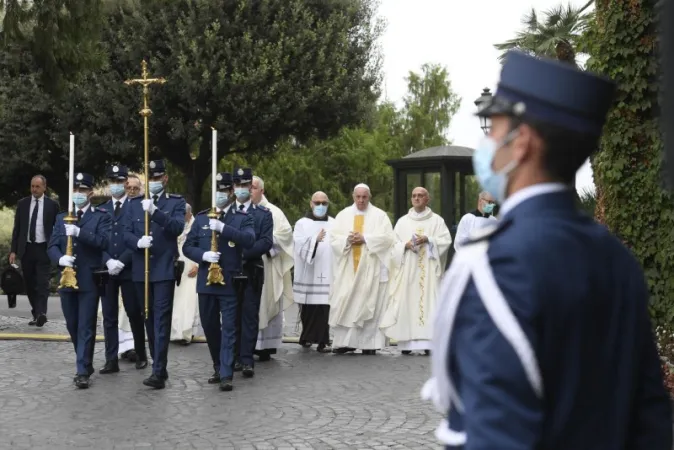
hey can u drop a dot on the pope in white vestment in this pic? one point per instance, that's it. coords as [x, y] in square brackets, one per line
[185, 319]
[361, 241]
[313, 272]
[277, 290]
[418, 261]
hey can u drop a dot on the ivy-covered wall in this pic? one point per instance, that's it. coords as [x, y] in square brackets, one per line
[627, 170]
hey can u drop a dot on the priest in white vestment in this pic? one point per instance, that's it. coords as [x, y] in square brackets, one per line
[185, 322]
[418, 260]
[474, 220]
[313, 272]
[361, 240]
[277, 290]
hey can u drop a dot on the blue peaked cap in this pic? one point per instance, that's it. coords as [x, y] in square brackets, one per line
[83, 180]
[223, 180]
[117, 172]
[242, 175]
[548, 91]
[157, 168]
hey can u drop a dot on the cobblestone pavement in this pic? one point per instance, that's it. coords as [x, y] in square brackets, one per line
[300, 400]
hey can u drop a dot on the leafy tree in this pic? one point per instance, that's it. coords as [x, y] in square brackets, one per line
[430, 104]
[61, 35]
[557, 36]
[627, 170]
[258, 71]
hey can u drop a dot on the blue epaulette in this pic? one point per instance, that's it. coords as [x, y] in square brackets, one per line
[262, 208]
[133, 199]
[175, 196]
[205, 211]
[101, 204]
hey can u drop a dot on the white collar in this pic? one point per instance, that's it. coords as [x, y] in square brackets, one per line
[121, 200]
[37, 199]
[84, 210]
[358, 212]
[158, 195]
[246, 205]
[530, 192]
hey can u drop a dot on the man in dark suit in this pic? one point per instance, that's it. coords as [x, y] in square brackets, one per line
[33, 224]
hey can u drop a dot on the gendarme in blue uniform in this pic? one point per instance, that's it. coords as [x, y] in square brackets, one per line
[167, 222]
[90, 240]
[253, 267]
[117, 259]
[218, 303]
[542, 337]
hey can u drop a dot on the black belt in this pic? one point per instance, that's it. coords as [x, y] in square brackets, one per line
[36, 243]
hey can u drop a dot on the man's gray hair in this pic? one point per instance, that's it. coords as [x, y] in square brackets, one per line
[188, 208]
[260, 182]
[41, 177]
[482, 195]
[364, 186]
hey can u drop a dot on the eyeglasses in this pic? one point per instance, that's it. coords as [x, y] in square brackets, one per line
[320, 203]
[133, 189]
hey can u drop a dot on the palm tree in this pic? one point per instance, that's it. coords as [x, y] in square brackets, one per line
[555, 37]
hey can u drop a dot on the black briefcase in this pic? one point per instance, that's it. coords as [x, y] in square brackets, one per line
[178, 269]
[12, 284]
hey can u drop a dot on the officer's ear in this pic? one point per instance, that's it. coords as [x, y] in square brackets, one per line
[526, 144]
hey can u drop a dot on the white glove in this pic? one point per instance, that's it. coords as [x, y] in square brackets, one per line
[66, 261]
[148, 205]
[211, 257]
[72, 230]
[145, 242]
[216, 225]
[115, 267]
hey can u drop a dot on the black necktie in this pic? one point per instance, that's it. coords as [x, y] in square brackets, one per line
[155, 198]
[241, 207]
[79, 215]
[33, 222]
[118, 208]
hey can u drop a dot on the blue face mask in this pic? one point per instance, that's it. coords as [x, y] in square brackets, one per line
[156, 187]
[80, 199]
[320, 210]
[242, 194]
[116, 190]
[496, 183]
[221, 199]
[488, 208]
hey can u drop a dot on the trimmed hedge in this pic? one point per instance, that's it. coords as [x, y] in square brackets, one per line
[622, 43]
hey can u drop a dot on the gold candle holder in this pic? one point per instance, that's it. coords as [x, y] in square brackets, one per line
[214, 270]
[68, 275]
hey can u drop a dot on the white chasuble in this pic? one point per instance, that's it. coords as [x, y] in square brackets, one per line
[277, 291]
[313, 262]
[359, 295]
[415, 277]
[185, 298]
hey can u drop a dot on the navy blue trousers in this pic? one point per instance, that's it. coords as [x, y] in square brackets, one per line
[134, 310]
[80, 310]
[218, 319]
[158, 323]
[250, 321]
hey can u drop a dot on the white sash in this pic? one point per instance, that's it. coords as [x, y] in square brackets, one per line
[471, 261]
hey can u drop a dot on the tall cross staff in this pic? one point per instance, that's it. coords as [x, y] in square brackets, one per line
[145, 112]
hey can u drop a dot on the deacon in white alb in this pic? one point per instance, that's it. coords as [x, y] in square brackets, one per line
[277, 291]
[419, 258]
[313, 272]
[361, 241]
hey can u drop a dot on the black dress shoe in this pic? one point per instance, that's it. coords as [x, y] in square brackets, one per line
[214, 379]
[238, 367]
[248, 371]
[110, 367]
[226, 384]
[427, 352]
[41, 320]
[90, 372]
[342, 350]
[305, 344]
[264, 356]
[82, 381]
[406, 352]
[32, 322]
[154, 382]
[369, 352]
[141, 364]
[322, 348]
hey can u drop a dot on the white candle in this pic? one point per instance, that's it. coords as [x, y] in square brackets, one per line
[71, 173]
[214, 169]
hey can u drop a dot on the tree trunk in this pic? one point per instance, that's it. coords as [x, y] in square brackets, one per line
[195, 175]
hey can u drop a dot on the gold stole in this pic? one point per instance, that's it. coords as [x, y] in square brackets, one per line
[358, 221]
